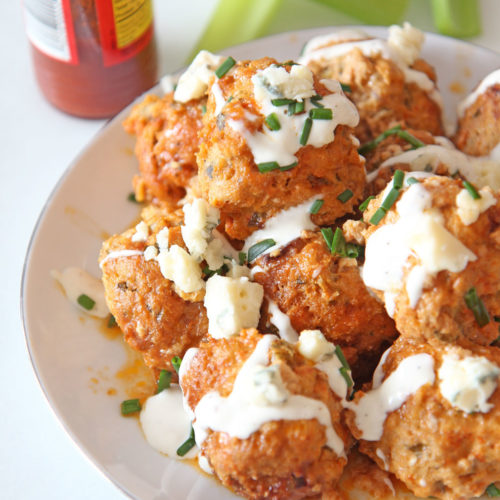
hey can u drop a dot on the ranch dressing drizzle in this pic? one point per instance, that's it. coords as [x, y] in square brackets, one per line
[372, 409]
[418, 232]
[342, 36]
[241, 413]
[281, 145]
[490, 80]
[118, 254]
[285, 226]
[282, 322]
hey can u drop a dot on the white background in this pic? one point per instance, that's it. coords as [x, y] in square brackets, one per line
[37, 459]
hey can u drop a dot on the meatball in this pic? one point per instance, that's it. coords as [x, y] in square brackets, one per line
[319, 290]
[387, 89]
[283, 458]
[441, 439]
[154, 318]
[434, 257]
[235, 137]
[478, 130]
[167, 142]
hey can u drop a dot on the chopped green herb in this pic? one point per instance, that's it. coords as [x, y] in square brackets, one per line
[412, 180]
[164, 381]
[471, 189]
[86, 302]
[343, 371]
[315, 101]
[176, 363]
[255, 250]
[316, 206]
[229, 99]
[340, 355]
[225, 67]
[203, 109]
[345, 196]
[321, 114]
[273, 122]
[399, 177]
[492, 490]
[130, 406]
[268, 166]
[131, 197]
[354, 251]
[242, 258]
[221, 271]
[364, 205]
[296, 108]
[328, 236]
[390, 199]
[288, 63]
[112, 321]
[289, 167]
[346, 87]
[187, 445]
[403, 134]
[377, 216]
[338, 242]
[282, 102]
[304, 136]
[476, 305]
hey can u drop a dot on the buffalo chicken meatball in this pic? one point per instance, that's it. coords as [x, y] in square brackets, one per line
[265, 417]
[432, 417]
[434, 256]
[272, 138]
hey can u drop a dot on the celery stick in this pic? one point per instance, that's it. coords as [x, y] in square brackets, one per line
[458, 18]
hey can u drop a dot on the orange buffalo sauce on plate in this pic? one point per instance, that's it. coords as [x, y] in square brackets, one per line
[92, 57]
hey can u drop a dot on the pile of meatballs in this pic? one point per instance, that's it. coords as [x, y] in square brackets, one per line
[194, 145]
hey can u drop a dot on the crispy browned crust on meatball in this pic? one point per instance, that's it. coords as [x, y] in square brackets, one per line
[318, 290]
[434, 448]
[441, 311]
[231, 181]
[283, 459]
[479, 128]
[154, 319]
[167, 141]
[381, 94]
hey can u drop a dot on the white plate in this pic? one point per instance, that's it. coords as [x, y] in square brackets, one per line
[90, 199]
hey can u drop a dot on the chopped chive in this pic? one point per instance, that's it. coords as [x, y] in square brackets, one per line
[284, 168]
[321, 114]
[112, 321]
[377, 216]
[86, 302]
[229, 99]
[315, 101]
[345, 196]
[476, 305]
[328, 236]
[492, 490]
[164, 381]
[273, 122]
[340, 355]
[364, 205]
[347, 378]
[471, 190]
[412, 180]
[268, 166]
[288, 63]
[176, 363]
[390, 199]
[130, 406]
[203, 109]
[131, 197]
[187, 445]
[282, 102]
[338, 242]
[255, 250]
[346, 87]
[316, 206]
[354, 251]
[397, 130]
[225, 67]
[210, 272]
[304, 136]
[399, 177]
[242, 258]
[296, 108]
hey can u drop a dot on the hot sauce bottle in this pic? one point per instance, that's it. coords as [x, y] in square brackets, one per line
[92, 57]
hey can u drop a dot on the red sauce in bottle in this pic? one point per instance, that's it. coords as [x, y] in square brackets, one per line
[92, 57]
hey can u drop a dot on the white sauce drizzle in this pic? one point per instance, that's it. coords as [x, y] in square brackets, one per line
[119, 254]
[380, 454]
[165, 423]
[76, 282]
[372, 409]
[378, 374]
[322, 41]
[241, 414]
[282, 322]
[420, 232]
[469, 209]
[220, 102]
[490, 80]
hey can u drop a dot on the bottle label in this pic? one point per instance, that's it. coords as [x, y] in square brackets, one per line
[125, 28]
[50, 28]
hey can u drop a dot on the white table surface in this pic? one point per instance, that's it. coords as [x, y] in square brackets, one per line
[37, 459]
